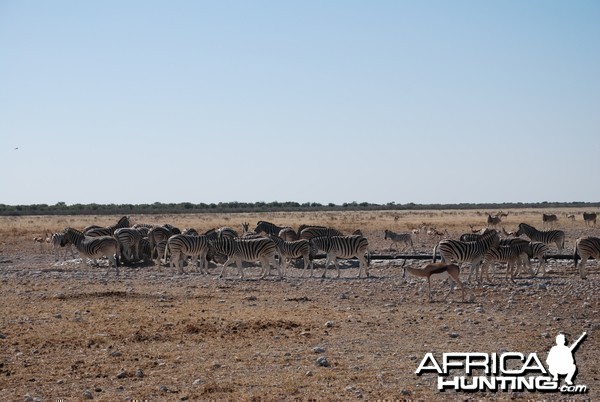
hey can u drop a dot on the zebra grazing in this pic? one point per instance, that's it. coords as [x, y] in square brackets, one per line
[107, 231]
[293, 249]
[548, 237]
[511, 254]
[181, 245]
[94, 247]
[343, 247]
[538, 250]
[548, 220]
[157, 235]
[405, 238]
[145, 250]
[468, 252]
[129, 242]
[589, 218]
[318, 231]
[268, 228]
[586, 247]
[240, 249]
[58, 241]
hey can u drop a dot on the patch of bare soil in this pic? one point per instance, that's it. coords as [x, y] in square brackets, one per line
[70, 332]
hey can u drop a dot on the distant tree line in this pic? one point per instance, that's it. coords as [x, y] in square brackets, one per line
[62, 208]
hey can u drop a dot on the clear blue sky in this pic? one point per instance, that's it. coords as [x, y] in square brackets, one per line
[306, 101]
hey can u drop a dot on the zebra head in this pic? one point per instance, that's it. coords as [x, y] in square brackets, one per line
[524, 229]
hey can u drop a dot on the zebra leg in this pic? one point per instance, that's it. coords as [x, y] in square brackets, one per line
[326, 265]
[266, 267]
[225, 264]
[362, 263]
[279, 268]
[582, 264]
[337, 265]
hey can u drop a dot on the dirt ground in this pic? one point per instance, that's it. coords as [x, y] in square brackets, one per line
[71, 332]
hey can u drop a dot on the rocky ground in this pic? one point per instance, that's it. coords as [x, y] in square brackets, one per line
[70, 332]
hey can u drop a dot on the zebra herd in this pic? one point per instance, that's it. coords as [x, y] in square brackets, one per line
[268, 243]
[275, 246]
[483, 249]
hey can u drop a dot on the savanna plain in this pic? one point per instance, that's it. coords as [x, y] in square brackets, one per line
[70, 331]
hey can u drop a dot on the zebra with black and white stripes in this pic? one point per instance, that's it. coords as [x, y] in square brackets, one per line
[586, 247]
[182, 245]
[157, 237]
[129, 240]
[108, 231]
[59, 241]
[548, 237]
[227, 232]
[510, 254]
[241, 249]
[405, 238]
[94, 247]
[467, 252]
[318, 231]
[343, 247]
[293, 249]
[268, 228]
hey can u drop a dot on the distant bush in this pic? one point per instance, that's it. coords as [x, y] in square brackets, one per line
[62, 208]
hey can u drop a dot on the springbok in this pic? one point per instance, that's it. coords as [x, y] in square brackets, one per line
[436, 268]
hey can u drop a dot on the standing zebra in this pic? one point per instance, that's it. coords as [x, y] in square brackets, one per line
[107, 231]
[129, 241]
[511, 254]
[470, 252]
[343, 247]
[293, 249]
[181, 245]
[318, 231]
[548, 237]
[586, 247]
[405, 238]
[240, 249]
[94, 247]
[59, 241]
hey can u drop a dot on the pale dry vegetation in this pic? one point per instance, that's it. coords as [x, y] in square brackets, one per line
[72, 332]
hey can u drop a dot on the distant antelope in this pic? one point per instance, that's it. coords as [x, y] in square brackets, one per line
[42, 241]
[436, 268]
[571, 217]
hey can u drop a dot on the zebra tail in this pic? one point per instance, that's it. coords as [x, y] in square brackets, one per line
[434, 252]
[166, 253]
[118, 254]
[575, 256]
[368, 258]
